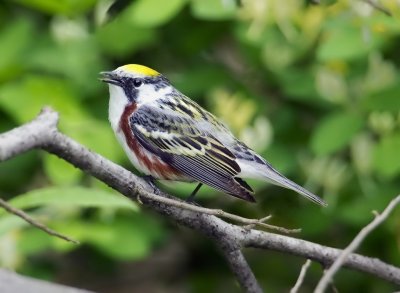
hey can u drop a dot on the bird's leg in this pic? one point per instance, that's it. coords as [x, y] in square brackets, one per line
[193, 194]
[150, 180]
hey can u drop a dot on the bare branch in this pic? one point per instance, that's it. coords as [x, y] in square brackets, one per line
[322, 254]
[328, 275]
[11, 282]
[242, 271]
[42, 133]
[33, 222]
[301, 277]
[378, 7]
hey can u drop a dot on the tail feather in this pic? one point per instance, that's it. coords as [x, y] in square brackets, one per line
[278, 179]
[264, 171]
[304, 192]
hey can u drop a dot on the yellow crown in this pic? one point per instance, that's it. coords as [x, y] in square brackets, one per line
[139, 69]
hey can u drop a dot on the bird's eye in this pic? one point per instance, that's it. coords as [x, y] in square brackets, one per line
[137, 82]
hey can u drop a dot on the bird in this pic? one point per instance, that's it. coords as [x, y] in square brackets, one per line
[168, 136]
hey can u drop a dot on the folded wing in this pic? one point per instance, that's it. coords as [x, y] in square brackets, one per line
[195, 153]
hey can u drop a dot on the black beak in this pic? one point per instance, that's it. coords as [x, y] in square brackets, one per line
[110, 77]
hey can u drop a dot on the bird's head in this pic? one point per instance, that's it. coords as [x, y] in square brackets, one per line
[135, 83]
[131, 86]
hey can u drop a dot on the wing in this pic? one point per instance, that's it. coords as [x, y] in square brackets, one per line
[197, 154]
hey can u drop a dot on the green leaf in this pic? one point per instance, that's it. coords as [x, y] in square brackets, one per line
[67, 7]
[120, 37]
[96, 135]
[214, 9]
[359, 211]
[198, 80]
[281, 157]
[152, 13]
[15, 40]
[345, 42]
[299, 85]
[386, 156]
[386, 100]
[60, 172]
[24, 165]
[78, 60]
[10, 222]
[24, 99]
[72, 196]
[306, 219]
[335, 132]
[33, 241]
[125, 238]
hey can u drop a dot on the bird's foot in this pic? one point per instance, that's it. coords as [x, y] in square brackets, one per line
[151, 181]
[191, 197]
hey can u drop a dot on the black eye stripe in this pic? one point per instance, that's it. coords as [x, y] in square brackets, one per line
[131, 85]
[129, 88]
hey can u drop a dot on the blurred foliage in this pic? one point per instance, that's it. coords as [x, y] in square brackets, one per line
[313, 87]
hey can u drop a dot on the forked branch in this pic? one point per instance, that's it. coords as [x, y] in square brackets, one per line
[42, 133]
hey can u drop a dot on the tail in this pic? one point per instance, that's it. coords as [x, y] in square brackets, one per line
[277, 178]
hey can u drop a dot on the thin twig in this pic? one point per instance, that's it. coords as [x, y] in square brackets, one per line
[262, 220]
[378, 7]
[33, 222]
[217, 212]
[328, 275]
[301, 277]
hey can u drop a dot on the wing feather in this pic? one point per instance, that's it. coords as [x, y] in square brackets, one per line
[193, 152]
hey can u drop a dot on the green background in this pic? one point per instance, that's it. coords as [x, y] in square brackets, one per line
[314, 88]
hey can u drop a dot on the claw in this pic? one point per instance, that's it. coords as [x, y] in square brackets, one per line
[150, 180]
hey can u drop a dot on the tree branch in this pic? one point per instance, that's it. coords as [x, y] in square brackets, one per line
[11, 282]
[322, 254]
[328, 275]
[378, 7]
[301, 277]
[42, 133]
[238, 266]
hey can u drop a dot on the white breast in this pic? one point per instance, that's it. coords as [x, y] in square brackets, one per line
[116, 106]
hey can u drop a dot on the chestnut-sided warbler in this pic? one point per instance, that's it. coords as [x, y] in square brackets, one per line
[168, 136]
